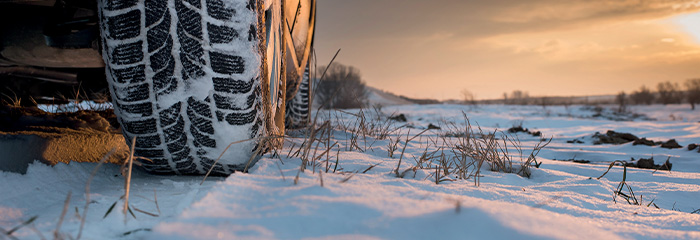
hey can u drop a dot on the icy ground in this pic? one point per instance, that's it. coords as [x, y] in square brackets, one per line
[561, 200]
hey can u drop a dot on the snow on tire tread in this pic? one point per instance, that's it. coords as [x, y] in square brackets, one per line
[185, 80]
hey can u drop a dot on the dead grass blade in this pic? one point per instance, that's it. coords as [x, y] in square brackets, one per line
[127, 182]
[57, 232]
[87, 190]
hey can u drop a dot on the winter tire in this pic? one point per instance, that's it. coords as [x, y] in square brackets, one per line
[299, 107]
[299, 85]
[189, 78]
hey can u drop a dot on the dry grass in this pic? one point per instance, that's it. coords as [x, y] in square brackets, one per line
[624, 190]
[459, 152]
[471, 148]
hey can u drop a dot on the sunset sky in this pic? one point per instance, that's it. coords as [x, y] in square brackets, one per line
[437, 48]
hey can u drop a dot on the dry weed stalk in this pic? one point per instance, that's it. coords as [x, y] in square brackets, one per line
[127, 181]
[629, 196]
[87, 190]
[56, 233]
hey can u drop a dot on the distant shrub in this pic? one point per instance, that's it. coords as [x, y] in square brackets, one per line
[517, 97]
[621, 100]
[692, 87]
[468, 97]
[669, 93]
[642, 96]
[342, 87]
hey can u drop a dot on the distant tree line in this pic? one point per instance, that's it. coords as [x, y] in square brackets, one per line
[517, 97]
[666, 93]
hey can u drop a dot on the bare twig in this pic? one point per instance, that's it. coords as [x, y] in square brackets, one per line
[57, 233]
[127, 183]
[87, 190]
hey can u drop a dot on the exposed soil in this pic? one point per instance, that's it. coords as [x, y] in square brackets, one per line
[518, 129]
[646, 163]
[399, 118]
[612, 137]
[694, 146]
[28, 134]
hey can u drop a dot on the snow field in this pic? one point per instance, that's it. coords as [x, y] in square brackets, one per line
[561, 200]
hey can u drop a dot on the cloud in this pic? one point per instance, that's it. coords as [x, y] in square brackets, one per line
[475, 19]
[436, 48]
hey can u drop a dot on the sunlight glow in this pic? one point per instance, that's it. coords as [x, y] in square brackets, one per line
[691, 24]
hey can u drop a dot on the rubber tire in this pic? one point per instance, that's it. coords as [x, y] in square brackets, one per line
[186, 79]
[299, 107]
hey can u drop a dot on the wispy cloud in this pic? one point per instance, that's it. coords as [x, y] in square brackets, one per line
[496, 46]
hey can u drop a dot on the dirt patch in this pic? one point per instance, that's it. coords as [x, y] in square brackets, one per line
[612, 137]
[29, 134]
[646, 163]
[399, 118]
[517, 129]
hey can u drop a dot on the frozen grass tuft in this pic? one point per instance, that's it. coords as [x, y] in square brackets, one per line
[451, 153]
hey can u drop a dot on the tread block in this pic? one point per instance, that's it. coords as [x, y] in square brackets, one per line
[251, 5]
[145, 109]
[201, 124]
[119, 4]
[163, 169]
[159, 35]
[208, 162]
[149, 153]
[220, 115]
[150, 141]
[190, 69]
[179, 142]
[228, 103]
[161, 59]
[221, 34]
[156, 161]
[190, 46]
[226, 64]
[145, 126]
[164, 80]
[125, 26]
[252, 33]
[132, 93]
[175, 132]
[217, 10]
[179, 145]
[186, 166]
[242, 118]
[170, 115]
[180, 154]
[129, 53]
[188, 19]
[202, 139]
[129, 75]
[229, 85]
[256, 127]
[201, 108]
[155, 10]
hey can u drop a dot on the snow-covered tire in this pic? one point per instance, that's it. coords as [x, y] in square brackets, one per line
[299, 107]
[189, 77]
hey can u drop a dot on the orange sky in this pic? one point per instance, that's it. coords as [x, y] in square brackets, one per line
[437, 48]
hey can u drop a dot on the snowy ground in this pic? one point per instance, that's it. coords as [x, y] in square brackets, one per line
[561, 200]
